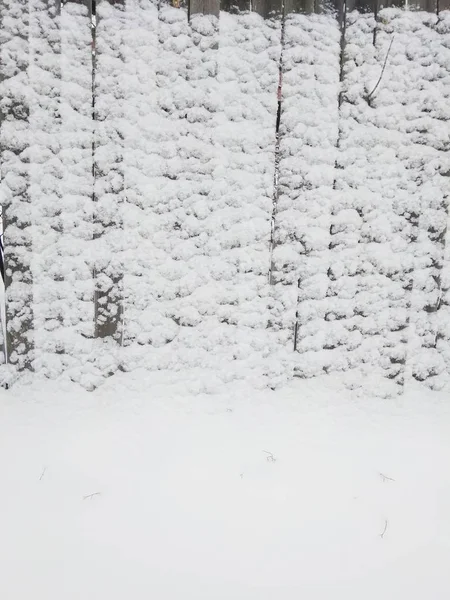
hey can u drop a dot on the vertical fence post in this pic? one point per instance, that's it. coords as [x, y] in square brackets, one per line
[14, 160]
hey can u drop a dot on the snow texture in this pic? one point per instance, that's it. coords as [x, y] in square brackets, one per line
[191, 250]
[142, 490]
[199, 178]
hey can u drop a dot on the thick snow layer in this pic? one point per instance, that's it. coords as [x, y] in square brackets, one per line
[146, 491]
[199, 167]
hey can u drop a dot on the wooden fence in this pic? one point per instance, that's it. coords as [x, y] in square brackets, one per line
[133, 131]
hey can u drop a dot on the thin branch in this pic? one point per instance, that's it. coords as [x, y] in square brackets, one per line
[382, 72]
[385, 528]
[270, 456]
[385, 477]
[43, 473]
[90, 496]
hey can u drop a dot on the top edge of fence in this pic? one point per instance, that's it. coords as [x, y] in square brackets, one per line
[276, 9]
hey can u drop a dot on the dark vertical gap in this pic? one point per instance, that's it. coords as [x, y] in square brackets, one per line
[94, 119]
[376, 7]
[343, 25]
[277, 148]
[342, 19]
[2, 267]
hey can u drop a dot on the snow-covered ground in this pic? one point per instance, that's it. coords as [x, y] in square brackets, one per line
[143, 490]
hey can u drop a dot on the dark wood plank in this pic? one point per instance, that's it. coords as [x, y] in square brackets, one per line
[425, 5]
[268, 8]
[390, 4]
[204, 7]
[301, 7]
[88, 3]
[235, 6]
[362, 6]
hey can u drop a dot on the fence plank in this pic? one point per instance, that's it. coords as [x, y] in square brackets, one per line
[428, 145]
[308, 137]
[235, 6]
[67, 344]
[15, 158]
[389, 4]
[301, 7]
[376, 227]
[249, 54]
[362, 6]
[268, 8]
[424, 5]
[145, 288]
[109, 94]
[46, 171]
[205, 7]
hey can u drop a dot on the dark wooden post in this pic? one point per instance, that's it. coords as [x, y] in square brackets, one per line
[442, 5]
[235, 6]
[300, 7]
[87, 3]
[362, 6]
[204, 7]
[14, 161]
[109, 186]
[390, 4]
[425, 5]
[268, 8]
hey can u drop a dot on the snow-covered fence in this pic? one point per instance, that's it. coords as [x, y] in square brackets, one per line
[308, 139]
[15, 179]
[258, 193]
[110, 91]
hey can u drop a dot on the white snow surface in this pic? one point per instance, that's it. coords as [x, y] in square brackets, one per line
[176, 231]
[143, 489]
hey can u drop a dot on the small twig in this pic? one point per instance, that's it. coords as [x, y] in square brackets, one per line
[385, 528]
[90, 496]
[385, 477]
[43, 473]
[382, 73]
[270, 457]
